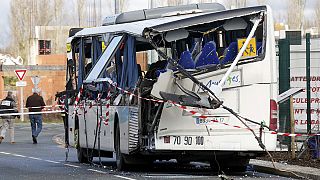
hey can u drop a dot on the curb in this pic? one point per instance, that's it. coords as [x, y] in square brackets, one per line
[292, 171]
[57, 139]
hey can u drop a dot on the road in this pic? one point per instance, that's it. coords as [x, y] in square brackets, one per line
[46, 160]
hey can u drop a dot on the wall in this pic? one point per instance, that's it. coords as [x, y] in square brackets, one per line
[51, 73]
[56, 34]
[57, 59]
[142, 59]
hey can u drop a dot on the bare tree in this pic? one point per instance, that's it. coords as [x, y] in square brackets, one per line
[175, 2]
[236, 3]
[24, 16]
[317, 13]
[206, 1]
[58, 6]
[44, 13]
[295, 14]
[260, 2]
[123, 5]
[20, 19]
[81, 11]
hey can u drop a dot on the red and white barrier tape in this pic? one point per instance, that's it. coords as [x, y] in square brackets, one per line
[28, 113]
[191, 111]
[78, 96]
[106, 121]
[34, 107]
[75, 111]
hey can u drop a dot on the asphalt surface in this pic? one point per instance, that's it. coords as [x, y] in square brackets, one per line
[46, 160]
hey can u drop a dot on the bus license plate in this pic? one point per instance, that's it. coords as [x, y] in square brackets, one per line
[187, 140]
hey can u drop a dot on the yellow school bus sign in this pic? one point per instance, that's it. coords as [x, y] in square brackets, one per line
[251, 50]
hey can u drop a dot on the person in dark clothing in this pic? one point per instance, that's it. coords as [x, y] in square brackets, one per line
[35, 103]
[7, 106]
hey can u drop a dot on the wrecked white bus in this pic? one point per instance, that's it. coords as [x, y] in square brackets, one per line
[209, 96]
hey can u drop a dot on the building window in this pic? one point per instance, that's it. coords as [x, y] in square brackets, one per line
[44, 47]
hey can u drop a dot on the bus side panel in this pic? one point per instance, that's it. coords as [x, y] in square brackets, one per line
[87, 127]
[71, 126]
[107, 129]
[88, 123]
[128, 123]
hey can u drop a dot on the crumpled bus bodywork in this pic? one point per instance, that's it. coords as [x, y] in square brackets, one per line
[175, 107]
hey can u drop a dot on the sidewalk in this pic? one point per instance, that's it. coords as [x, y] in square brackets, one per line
[293, 171]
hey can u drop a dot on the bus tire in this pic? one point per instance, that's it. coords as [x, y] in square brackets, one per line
[230, 165]
[182, 161]
[82, 155]
[120, 159]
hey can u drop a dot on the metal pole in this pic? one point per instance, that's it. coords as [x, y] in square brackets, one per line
[293, 151]
[243, 48]
[284, 85]
[308, 82]
[21, 103]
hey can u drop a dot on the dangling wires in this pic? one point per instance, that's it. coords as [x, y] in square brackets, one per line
[218, 102]
[259, 139]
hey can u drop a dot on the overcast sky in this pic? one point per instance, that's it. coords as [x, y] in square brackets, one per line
[4, 22]
[279, 7]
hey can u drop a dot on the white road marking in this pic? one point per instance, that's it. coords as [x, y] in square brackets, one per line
[160, 176]
[35, 158]
[19, 155]
[123, 177]
[5, 153]
[30, 157]
[94, 170]
[71, 165]
[52, 161]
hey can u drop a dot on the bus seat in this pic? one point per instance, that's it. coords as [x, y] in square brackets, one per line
[208, 55]
[159, 71]
[231, 53]
[186, 60]
[152, 72]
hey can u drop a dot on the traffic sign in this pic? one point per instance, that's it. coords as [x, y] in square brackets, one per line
[21, 83]
[251, 50]
[35, 80]
[20, 73]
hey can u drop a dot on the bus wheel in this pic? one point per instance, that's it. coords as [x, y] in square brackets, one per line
[83, 157]
[182, 161]
[120, 159]
[230, 165]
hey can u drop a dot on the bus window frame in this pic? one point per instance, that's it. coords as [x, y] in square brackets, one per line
[96, 68]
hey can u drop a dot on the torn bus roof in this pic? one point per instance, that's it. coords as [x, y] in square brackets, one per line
[170, 23]
[207, 18]
[134, 28]
[159, 12]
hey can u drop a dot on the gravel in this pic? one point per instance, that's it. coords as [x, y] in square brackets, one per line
[285, 158]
